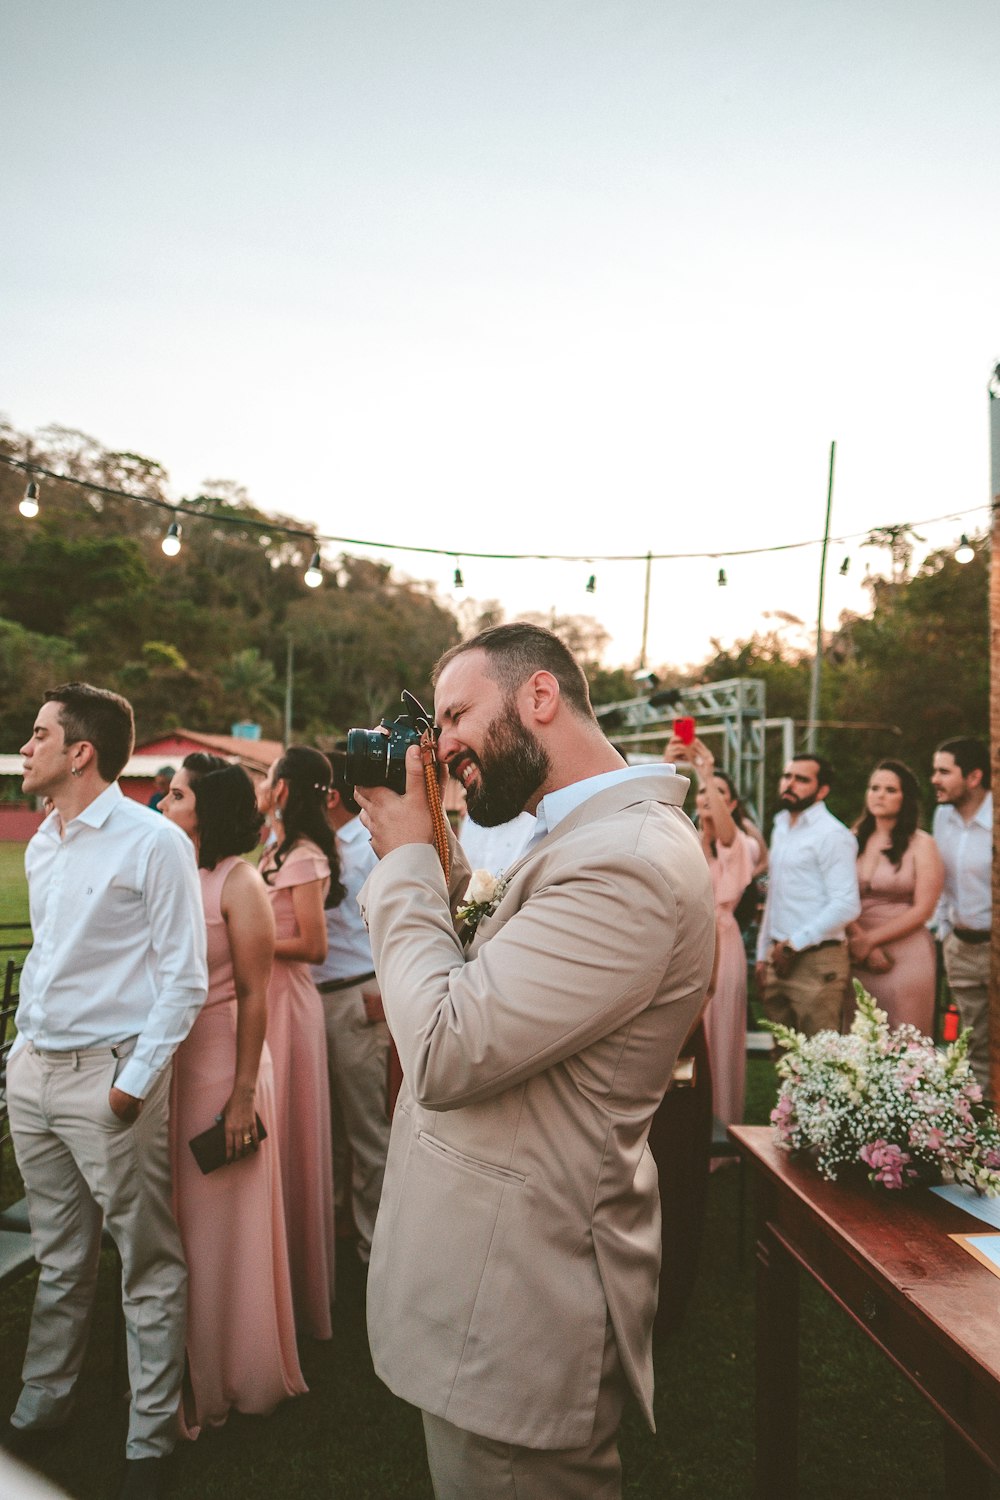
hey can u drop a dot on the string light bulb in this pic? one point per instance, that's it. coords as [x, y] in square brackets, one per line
[171, 543]
[29, 505]
[459, 580]
[722, 580]
[965, 552]
[592, 584]
[845, 567]
[313, 575]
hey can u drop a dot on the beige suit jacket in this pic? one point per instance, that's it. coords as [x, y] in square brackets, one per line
[520, 1203]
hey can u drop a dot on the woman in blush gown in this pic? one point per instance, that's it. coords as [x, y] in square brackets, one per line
[900, 876]
[732, 855]
[241, 1350]
[302, 875]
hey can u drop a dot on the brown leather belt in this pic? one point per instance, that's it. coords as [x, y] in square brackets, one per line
[826, 943]
[331, 986]
[971, 935]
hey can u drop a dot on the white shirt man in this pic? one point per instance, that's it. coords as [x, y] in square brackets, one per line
[963, 831]
[110, 988]
[357, 1038]
[802, 960]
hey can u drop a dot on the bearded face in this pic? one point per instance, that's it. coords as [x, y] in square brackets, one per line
[506, 775]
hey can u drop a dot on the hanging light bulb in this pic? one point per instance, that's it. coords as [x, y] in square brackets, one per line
[313, 575]
[171, 543]
[965, 551]
[722, 579]
[29, 505]
[845, 567]
[592, 584]
[459, 580]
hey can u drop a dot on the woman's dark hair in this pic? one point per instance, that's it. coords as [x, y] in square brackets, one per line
[225, 804]
[735, 812]
[909, 813]
[308, 776]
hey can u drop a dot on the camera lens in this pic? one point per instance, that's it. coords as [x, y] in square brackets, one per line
[367, 751]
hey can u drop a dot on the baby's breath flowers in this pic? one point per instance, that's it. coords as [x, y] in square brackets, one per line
[888, 1099]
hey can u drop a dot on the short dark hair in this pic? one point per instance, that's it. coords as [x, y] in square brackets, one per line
[103, 718]
[517, 650]
[969, 754]
[338, 760]
[824, 769]
[225, 803]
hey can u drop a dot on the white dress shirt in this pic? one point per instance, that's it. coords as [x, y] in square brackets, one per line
[812, 891]
[967, 852]
[119, 936]
[349, 953]
[496, 849]
[559, 804]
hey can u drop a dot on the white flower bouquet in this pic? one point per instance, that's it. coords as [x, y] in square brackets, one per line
[481, 899]
[889, 1100]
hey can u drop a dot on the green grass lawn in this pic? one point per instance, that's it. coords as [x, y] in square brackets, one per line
[863, 1431]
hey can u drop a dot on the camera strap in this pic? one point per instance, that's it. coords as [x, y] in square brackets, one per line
[430, 766]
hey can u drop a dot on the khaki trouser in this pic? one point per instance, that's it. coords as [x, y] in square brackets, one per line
[465, 1466]
[813, 996]
[357, 1053]
[81, 1165]
[967, 966]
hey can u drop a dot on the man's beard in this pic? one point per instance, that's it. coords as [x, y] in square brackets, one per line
[792, 802]
[512, 767]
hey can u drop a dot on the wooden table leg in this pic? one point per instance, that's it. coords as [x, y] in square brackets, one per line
[777, 1366]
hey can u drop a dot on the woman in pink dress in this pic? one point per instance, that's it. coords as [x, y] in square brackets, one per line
[900, 876]
[241, 1349]
[301, 873]
[732, 855]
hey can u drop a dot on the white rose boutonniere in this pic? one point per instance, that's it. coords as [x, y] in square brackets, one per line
[483, 896]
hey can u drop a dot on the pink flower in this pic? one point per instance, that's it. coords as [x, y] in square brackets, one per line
[886, 1161]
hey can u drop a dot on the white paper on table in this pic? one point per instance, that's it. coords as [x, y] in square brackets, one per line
[959, 1193]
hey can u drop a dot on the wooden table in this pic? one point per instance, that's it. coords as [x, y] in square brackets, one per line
[887, 1260]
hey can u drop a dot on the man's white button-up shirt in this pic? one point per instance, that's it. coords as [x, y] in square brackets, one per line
[119, 936]
[813, 881]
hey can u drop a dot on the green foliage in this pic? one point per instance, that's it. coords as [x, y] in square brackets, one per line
[29, 663]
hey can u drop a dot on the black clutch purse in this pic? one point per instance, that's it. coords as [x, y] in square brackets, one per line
[209, 1148]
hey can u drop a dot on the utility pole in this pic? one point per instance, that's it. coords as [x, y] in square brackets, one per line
[645, 612]
[817, 667]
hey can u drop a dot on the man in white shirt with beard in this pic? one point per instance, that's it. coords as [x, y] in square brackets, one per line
[112, 985]
[963, 831]
[802, 960]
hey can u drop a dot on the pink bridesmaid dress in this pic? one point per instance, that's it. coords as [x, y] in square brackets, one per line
[241, 1350]
[907, 992]
[296, 1033]
[726, 1014]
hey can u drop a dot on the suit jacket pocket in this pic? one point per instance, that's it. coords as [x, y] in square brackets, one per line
[469, 1163]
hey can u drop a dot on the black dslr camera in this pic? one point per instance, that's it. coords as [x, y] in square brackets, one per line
[377, 759]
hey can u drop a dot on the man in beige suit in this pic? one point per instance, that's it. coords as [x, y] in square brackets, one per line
[514, 1265]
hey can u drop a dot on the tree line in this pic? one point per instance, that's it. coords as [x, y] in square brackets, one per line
[200, 640]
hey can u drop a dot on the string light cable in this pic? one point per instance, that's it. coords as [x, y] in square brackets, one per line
[315, 537]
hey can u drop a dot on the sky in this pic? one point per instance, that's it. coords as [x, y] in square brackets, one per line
[541, 276]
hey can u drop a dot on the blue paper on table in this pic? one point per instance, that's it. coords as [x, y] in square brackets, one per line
[987, 1209]
[988, 1246]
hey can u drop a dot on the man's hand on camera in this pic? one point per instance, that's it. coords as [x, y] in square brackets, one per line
[393, 820]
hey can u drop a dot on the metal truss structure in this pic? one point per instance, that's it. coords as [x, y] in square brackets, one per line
[734, 709]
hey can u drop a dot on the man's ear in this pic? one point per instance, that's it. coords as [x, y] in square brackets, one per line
[333, 799]
[974, 778]
[822, 792]
[541, 692]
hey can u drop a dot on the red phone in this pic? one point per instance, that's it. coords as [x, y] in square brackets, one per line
[684, 730]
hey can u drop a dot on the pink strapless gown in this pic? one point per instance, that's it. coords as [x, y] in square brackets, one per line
[240, 1326]
[296, 1033]
[726, 1013]
[906, 993]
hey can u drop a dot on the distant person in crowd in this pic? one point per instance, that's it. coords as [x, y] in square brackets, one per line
[731, 854]
[302, 875]
[900, 876]
[357, 1039]
[514, 1263]
[803, 966]
[963, 832]
[161, 782]
[241, 1351]
[109, 990]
